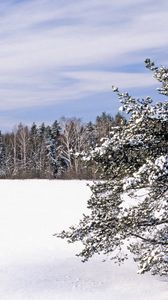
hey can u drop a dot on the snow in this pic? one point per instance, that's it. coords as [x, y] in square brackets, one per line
[34, 265]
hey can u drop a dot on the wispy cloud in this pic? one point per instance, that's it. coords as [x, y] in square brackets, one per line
[53, 51]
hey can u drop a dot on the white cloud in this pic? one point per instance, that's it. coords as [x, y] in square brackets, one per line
[41, 40]
[78, 84]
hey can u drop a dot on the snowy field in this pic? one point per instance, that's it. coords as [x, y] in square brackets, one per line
[34, 265]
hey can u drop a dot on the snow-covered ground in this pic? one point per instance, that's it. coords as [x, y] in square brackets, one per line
[34, 265]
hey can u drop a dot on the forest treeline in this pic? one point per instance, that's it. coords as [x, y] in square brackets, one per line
[51, 151]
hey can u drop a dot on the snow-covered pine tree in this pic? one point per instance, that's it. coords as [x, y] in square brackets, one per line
[33, 150]
[58, 163]
[129, 205]
[3, 159]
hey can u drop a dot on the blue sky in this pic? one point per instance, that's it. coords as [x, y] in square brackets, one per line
[60, 57]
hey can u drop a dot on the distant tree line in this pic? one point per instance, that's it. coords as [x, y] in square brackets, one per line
[53, 151]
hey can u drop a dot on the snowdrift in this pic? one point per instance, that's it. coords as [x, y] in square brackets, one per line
[35, 265]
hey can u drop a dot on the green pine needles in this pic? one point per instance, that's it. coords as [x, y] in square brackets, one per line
[129, 204]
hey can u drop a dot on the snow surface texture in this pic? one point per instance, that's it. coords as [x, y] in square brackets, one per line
[34, 265]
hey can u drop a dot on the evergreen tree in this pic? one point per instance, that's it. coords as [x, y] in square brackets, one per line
[129, 205]
[2, 157]
[55, 153]
[91, 135]
[104, 123]
[33, 150]
[42, 154]
[8, 154]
